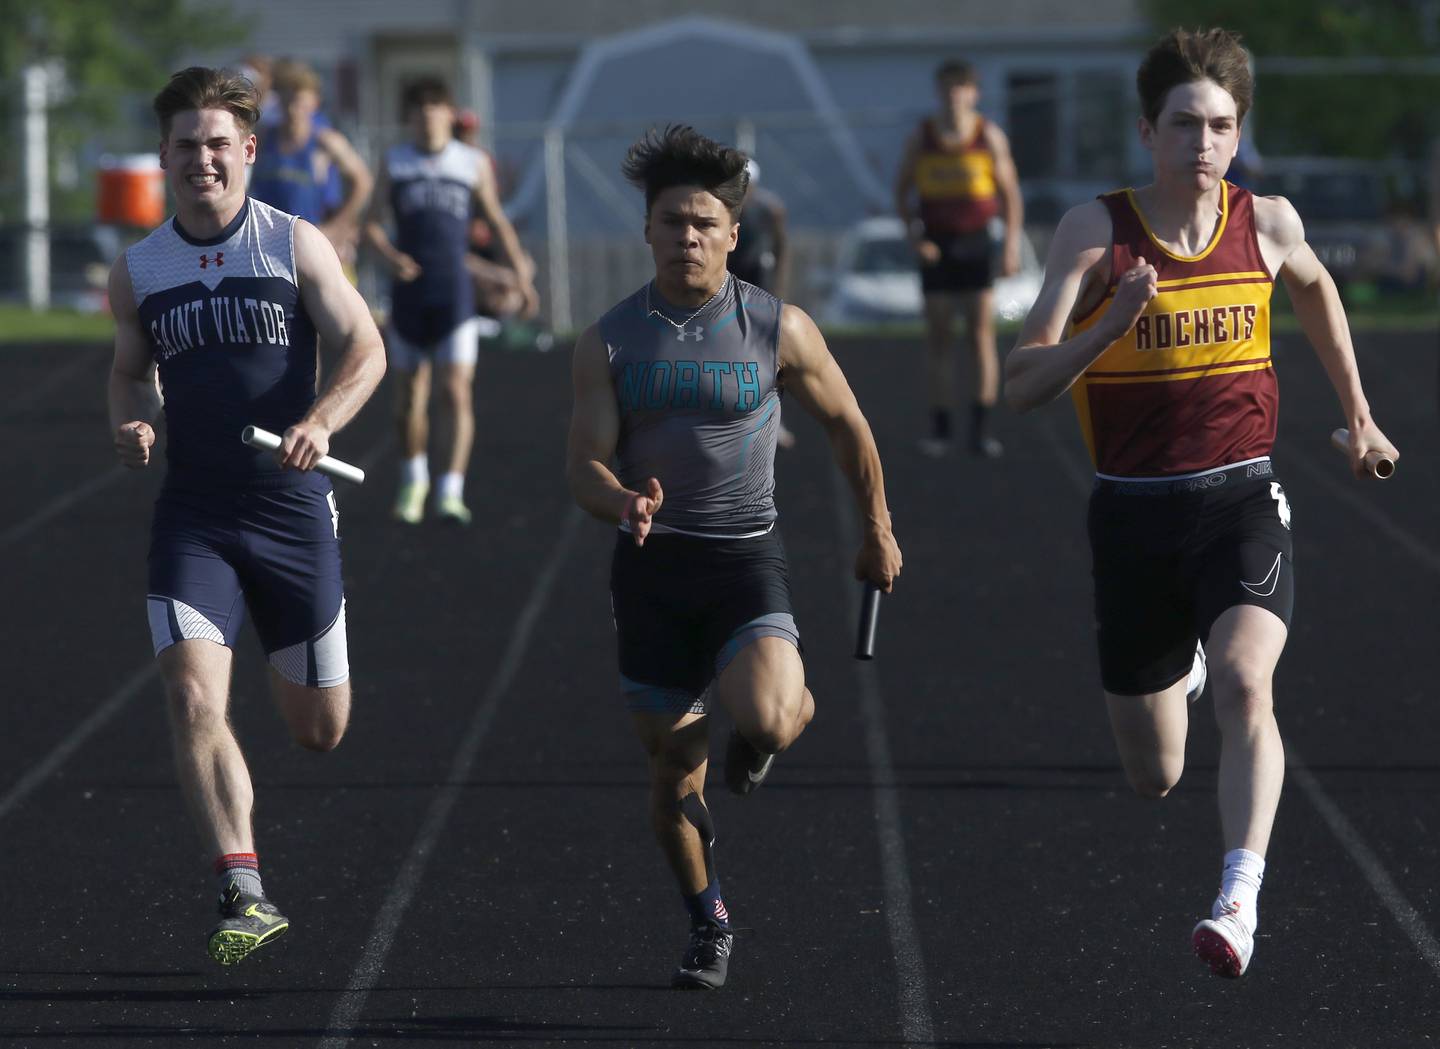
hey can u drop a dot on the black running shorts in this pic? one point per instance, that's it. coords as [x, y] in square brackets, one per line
[685, 606]
[966, 264]
[1170, 556]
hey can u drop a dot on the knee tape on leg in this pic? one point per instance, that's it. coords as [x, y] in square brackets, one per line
[694, 810]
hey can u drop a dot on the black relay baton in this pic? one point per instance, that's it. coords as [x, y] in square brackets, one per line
[869, 622]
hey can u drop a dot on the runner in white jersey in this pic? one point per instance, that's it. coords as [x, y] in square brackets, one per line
[672, 438]
[430, 187]
[225, 304]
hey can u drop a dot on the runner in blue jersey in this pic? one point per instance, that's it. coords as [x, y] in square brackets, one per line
[672, 438]
[221, 309]
[308, 169]
[430, 186]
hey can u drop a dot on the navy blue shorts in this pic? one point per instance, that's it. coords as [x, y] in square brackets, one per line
[1171, 556]
[684, 607]
[212, 554]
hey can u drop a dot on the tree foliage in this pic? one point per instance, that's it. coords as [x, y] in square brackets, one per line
[110, 54]
[1379, 115]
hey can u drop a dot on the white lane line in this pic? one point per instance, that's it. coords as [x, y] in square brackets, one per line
[351, 1005]
[1406, 916]
[60, 504]
[916, 1026]
[113, 704]
[1340, 483]
[93, 722]
[53, 380]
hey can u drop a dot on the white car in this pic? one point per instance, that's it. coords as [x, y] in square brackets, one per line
[876, 279]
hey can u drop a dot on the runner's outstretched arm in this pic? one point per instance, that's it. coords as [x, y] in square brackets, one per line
[1321, 314]
[811, 375]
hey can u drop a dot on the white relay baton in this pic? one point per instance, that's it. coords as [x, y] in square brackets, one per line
[258, 438]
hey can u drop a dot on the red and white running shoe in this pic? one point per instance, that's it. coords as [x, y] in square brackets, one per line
[1224, 942]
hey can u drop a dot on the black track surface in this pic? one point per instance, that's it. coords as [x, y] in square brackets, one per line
[1049, 906]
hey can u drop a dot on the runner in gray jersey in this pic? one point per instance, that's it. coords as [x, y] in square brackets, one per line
[700, 406]
[679, 387]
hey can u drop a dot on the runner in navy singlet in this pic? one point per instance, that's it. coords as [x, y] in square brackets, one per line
[680, 384]
[430, 187]
[221, 308]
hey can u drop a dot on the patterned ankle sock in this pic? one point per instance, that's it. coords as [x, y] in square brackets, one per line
[707, 906]
[241, 869]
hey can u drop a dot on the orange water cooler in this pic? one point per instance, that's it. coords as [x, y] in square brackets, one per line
[131, 191]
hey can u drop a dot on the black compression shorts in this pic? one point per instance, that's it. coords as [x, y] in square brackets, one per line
[965, 264]
[685, 606]
[1170, 556]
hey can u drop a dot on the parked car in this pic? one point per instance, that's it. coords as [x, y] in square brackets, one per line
[80, 258]
[876, 279]
[1353, 217]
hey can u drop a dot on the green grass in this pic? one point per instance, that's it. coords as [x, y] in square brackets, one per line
[1366, 311]
[1369, 310]
[21, 325]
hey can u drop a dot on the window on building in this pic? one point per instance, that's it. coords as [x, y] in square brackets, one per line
[1104, 120]
[1033, 123]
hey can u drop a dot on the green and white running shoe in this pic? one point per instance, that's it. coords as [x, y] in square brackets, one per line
[246, 924]
[452, 510]
[410, 501]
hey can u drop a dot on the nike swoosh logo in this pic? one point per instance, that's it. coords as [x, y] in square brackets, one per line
[253, 911]
[1272, 578]
[756, 777]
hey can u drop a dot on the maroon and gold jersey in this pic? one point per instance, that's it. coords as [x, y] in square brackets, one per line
[1191, 387]
[956, 184]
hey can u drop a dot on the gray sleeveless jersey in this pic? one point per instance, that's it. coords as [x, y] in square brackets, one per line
[699, 409]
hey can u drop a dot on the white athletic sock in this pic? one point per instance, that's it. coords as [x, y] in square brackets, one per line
[417, 469]
[1240, 884]
[452, 486]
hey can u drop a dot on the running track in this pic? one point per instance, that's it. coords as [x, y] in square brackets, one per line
[949, 856]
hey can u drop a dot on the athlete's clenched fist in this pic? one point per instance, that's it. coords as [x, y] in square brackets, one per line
[1133, 292]
[133, 442]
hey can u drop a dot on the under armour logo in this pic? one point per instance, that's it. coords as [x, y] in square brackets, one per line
[698, 334]
[219, 260]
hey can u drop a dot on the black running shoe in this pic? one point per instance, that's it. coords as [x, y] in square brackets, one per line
[246, 923]
[706, 959]
[745, 767]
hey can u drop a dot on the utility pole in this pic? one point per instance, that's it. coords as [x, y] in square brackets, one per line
[35, 99]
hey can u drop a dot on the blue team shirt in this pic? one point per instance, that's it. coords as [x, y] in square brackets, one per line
[233, 344]
[295, 182]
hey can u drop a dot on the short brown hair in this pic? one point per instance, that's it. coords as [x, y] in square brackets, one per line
[201, 87]
[1184, 56]
[291, 76]
[956, 71]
